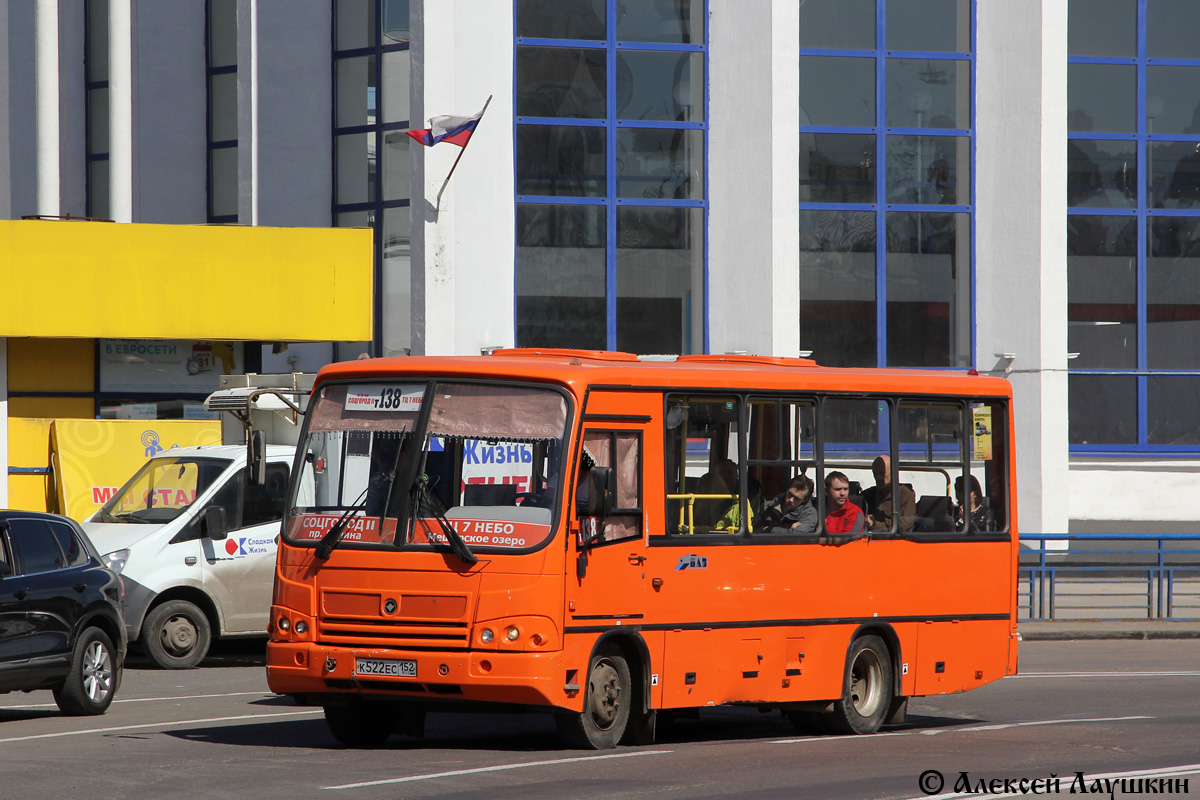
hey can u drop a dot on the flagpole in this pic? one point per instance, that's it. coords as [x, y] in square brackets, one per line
[438, 202]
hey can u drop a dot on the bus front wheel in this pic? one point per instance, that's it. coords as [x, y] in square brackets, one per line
[866, 688]
[605, 706]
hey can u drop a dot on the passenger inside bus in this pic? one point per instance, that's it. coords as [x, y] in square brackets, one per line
[791, 511]
[718, 512]
[879, 503]
[982, 518]
[842, 516]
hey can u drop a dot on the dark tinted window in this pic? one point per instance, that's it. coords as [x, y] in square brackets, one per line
[73, 550]
[265, 503]
[34, 546]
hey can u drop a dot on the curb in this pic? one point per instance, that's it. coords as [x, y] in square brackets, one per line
[1081, 635]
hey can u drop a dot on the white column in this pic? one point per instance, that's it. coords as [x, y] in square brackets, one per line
[1021, 269]
[753, 189]
[120, 110]
[46, 67]
[463, 287]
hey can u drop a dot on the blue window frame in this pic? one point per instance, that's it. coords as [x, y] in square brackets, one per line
[610, 143]
[372, 164]
[887, 152]
[1133, 243]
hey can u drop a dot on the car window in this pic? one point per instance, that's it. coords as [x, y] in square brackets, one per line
[68, 541]
[265, 503]
[33, 546]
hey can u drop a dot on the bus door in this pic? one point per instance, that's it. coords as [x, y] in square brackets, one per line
[609, 545]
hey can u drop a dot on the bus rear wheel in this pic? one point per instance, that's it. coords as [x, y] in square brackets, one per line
[866, 688]
[361, 724]
[605, 706]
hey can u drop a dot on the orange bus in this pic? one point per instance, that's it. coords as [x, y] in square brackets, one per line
[621, 540]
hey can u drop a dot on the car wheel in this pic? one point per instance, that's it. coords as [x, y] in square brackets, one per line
[866, 688]
[361, 724]
[605, 706]
[94, 675]
[176, 635]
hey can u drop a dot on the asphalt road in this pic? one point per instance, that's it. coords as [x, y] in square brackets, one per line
[1104, 708]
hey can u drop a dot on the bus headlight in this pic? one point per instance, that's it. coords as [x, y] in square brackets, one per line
[513, 633]
[487, 636]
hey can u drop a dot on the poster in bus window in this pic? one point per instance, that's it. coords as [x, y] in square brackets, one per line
[983, 432]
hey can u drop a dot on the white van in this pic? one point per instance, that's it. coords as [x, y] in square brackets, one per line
[195, 543]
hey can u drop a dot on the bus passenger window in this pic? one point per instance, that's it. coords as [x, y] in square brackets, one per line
[931, 462]
[621, 450]
[703, 447]
[989, 467]
[855, 432]
[781, 453]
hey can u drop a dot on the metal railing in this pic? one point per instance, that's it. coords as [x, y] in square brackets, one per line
[1109, 576]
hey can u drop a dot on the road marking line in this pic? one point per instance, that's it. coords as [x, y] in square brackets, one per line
[148, 699]
[497, 768]
[1161, 772]
[1173, 674]
[163, 724]
[973, 729]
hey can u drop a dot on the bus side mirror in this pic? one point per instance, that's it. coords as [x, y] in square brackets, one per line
[256, 460]
[215, 526]
[601, 497]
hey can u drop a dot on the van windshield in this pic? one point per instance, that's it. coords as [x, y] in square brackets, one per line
[161, 490]
[401, 461]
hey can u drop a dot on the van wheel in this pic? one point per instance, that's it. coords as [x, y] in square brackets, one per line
[360, 724]
[176, 635]
[94, 675]
[866, 688]
[605, 707]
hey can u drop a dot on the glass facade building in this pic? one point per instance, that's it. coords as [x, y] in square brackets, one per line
[875, 183]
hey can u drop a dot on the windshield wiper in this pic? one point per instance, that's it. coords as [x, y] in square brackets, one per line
[331, 538]
[457, 545]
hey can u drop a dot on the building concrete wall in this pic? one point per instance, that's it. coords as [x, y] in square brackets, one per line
[158, 112]
[1020, 252]
[18, 136]
[463, 244]
[753, 159]
[285, 128]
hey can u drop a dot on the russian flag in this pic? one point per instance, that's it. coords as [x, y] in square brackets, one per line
[448, 128]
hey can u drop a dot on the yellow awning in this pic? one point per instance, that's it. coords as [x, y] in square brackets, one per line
[133, 281]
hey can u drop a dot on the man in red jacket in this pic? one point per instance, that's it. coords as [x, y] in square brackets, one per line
[842, 516]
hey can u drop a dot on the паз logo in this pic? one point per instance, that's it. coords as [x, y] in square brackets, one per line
[692, 562]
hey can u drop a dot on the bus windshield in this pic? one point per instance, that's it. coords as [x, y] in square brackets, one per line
[401, 461]
[161, 490]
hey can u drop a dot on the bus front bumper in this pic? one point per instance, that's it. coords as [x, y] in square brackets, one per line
[323, 672]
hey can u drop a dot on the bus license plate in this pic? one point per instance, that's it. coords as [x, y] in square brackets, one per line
[385, 666]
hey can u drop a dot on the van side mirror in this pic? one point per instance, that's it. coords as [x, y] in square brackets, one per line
[256, 458]
[214, 526]
[601, 493]
[5, 569]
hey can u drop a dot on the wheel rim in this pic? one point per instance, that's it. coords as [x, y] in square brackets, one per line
[604, 695]
[866, 683]
[97, 672]
[179, 635]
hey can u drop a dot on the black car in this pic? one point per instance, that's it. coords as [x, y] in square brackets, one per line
[60, 613]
